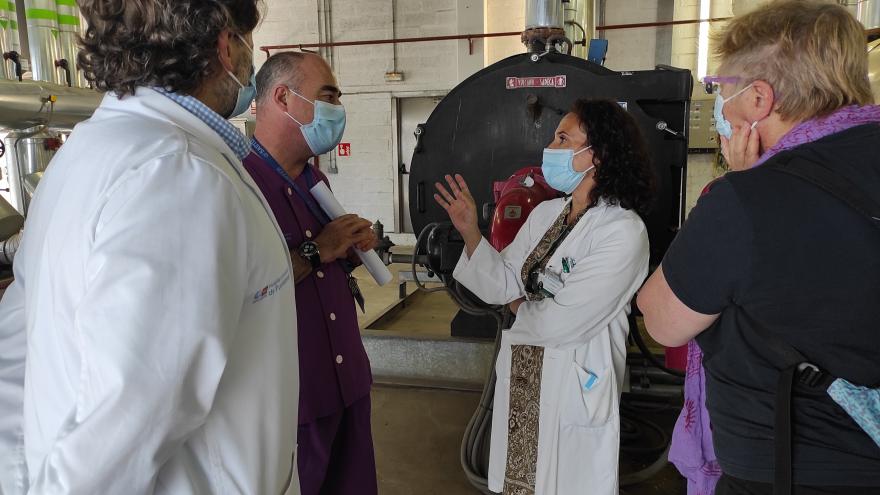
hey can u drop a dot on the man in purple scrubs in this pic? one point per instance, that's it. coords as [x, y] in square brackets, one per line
[299, 117]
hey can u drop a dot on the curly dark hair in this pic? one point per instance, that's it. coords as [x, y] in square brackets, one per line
[164, 43]
[624, 174]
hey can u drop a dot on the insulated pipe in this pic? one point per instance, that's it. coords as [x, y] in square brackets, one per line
[866, 11]
[544, 14]
[8, 248]
[42, 25]
[5, 68]
[68, 30]
[30, 104]
[12, 33]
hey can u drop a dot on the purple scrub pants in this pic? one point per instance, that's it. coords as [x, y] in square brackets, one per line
[335, 453]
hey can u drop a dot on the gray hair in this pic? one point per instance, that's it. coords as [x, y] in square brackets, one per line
[281, 68]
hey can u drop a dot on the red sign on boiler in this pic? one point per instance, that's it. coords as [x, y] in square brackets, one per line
[344, 149]
[537, 82]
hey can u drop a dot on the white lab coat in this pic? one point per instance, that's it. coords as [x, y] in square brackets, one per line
[138, 352]
[582, 329]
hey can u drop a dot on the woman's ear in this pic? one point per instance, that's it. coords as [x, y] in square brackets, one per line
[764, 101]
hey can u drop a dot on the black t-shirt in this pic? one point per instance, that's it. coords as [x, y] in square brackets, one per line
[776, 253]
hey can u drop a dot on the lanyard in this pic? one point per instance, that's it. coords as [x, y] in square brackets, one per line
[307, 198]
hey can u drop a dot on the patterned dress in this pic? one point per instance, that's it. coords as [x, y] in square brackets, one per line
[525, 375]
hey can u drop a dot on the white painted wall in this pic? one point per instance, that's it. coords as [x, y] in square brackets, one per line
[365, 182]
[631, 49]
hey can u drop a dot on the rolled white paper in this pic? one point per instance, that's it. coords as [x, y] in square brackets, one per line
[335, 210]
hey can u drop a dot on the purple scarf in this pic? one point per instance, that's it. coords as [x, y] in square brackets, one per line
[692, 451]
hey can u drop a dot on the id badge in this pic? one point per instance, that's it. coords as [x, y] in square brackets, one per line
[549, 283]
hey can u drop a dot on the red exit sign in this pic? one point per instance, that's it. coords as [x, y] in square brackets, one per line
[344, 149]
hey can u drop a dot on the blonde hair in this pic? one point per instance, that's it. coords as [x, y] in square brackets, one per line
[812, 53]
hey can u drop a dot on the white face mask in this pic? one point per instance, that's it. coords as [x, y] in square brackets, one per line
[325, 130]
[558, 169]
[247, 93]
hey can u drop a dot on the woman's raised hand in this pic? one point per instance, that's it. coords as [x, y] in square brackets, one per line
[461, 208]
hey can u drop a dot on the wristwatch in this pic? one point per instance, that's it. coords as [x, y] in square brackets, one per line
[309, 251]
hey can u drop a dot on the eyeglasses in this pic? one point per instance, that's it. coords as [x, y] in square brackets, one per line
[712, 83]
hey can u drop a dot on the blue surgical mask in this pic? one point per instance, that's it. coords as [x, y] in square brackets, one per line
[325, 130]
[722, 125]
[247, 93]
[558, 169]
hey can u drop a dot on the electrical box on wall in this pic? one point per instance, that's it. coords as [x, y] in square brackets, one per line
[703, 135]
[394, 76]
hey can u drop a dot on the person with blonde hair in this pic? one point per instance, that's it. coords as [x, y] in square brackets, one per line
[775, 272]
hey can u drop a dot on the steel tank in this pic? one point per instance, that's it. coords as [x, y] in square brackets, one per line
[29, 152]
[500, 119]
[544, 13]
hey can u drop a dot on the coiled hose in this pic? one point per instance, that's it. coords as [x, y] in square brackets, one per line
[8, 248]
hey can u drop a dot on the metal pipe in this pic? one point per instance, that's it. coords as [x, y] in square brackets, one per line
[68, 30]
[14, 38]
[42, 28]
[470, 37]
[866, 11]
[5, 72]
[544, 14]
[31, 103]
[31, 151]
[8, 248]
[386, 41]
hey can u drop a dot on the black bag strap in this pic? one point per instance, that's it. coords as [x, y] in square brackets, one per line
[832, 182]
[796, 369]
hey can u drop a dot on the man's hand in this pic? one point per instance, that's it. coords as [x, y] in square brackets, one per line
[341, 234]
[743, 148]
[364, 246]
[369, 243]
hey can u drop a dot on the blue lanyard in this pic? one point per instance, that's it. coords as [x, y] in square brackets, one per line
[313, 207]
[306, 197]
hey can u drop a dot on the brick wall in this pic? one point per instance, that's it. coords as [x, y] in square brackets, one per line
[365, 181]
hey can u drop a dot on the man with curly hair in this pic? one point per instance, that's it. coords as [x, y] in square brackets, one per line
[145, 343]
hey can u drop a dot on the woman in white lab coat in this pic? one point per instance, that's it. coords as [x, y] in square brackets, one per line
[569, 276]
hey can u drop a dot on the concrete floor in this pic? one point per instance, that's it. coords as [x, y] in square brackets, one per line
[417, 434]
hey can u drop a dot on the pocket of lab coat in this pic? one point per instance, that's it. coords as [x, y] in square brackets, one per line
[589, 401]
